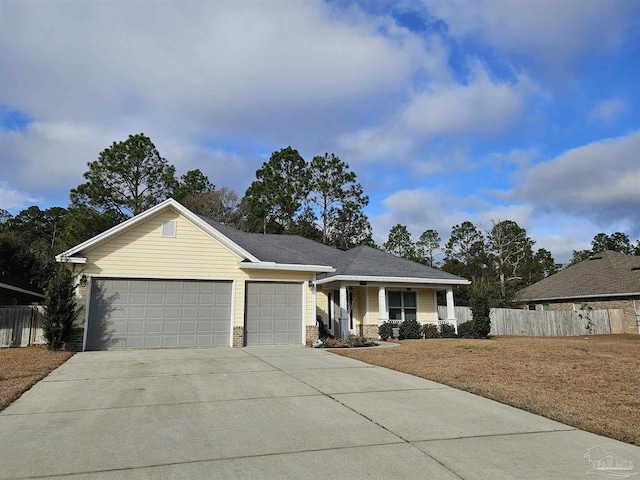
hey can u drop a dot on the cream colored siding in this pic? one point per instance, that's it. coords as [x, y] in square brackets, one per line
[427, 311]
[374, 312]
[142, 252]
[322, 306]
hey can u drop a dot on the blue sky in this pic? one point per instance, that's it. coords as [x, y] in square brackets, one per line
[446, 110]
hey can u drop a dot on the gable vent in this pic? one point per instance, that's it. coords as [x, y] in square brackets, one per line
[169, 228]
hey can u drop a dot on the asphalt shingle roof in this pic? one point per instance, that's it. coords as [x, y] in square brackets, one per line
[607, 273]
[367, 261]
[360, 261]
[279, 248]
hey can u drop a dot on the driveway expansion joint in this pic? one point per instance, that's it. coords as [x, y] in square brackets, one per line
[403, 440]
[206, 460]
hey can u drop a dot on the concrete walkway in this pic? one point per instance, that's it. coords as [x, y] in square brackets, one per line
[275, 412]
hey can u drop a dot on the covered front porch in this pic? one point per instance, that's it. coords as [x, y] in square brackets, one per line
[359, 307]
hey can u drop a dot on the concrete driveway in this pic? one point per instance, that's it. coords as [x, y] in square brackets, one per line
[274, 412]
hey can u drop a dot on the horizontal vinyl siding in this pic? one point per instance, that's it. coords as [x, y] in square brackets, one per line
[374, 311]
[322, 305]
[142, 252]
[427, 311]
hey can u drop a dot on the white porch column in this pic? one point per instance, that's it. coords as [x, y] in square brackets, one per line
[344, 316]
[383, 316]
[451, 312]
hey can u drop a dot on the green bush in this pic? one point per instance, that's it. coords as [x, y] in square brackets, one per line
[410, 329]
[430, 331]
[481, 297]
[447, 331]
[60, 309]
[386, 330]
[350, 342]
[466, 330]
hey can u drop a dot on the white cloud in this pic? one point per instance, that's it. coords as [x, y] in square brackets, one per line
[608, 111]
[600, 181]
[553, 33]
[233, 75]
[207, 67]
[13, 200]
[481, 107]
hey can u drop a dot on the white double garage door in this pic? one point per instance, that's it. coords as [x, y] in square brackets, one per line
[144, 313]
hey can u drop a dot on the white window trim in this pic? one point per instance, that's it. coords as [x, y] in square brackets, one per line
[415, 292]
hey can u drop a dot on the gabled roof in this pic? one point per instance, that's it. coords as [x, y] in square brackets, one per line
[605, 274]
[74, 255]
[287, 252]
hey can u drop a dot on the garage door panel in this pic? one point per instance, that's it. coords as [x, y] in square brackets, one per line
[190, 299]
[150, 341]
[157, 313]
[135, 327]
[273, 313]
[171, 327]
[153, 327]
[188, 326]
[169, 341]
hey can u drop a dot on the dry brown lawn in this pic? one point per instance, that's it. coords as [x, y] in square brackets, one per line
[596, 390]
[21, 368]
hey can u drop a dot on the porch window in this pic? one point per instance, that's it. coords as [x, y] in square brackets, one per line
[402, 306]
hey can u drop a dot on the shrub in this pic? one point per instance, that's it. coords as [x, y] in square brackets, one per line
[350, 342]
[480, 304]
[466, 330]
[447, 331]
[430, 331]
[59, 309]
[410, 329]
[386, 330]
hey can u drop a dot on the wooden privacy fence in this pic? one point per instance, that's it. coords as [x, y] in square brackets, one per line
[508, 321]
[20, 326]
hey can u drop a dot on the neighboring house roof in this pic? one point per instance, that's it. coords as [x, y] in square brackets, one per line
[606, 274]
[17, 284]
[287, 252]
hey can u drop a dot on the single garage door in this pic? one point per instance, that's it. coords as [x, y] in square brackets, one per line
[128, 313]
[273, 313]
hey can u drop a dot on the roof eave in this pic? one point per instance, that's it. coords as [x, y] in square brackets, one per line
[387, 279]
[577, 297]
[62, 259]
[21, 290]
